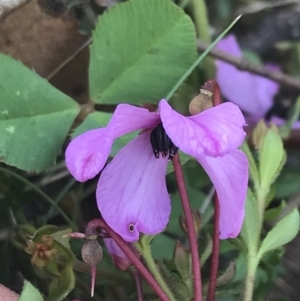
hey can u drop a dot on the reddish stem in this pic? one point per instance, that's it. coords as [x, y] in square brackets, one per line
[139, 285]
[191, 229]
[214, 87]
[99, 223]
[215, 253]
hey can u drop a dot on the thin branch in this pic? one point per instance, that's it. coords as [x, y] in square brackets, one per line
[243, 64]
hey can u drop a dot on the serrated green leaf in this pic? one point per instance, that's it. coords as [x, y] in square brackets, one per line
[35, 118]
[271, 158]
[283, 232]
[30, 293]
[253, 171]
[250, 228]
[140, 50]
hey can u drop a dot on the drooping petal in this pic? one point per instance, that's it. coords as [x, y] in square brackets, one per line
[213, 132]
[128, 118]
[121, 261]
[230, 45]
[279, 121]
[131, 194]
[229, 174]
[7, 295]
[113, 248]
[87, 153]
[252, 93]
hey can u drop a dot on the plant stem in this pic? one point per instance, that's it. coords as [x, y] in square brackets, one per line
[191, 229]
[42, 194]
[216, 240]
[144, 247]
[99, 223]
[252, 264]
[252, 258]
[139, 285]
[215, 253]
[202, 29]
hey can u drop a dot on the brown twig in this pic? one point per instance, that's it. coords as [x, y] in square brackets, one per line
[243, 64]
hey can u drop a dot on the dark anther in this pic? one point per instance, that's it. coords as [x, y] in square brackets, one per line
[161, 143]
[131, 227]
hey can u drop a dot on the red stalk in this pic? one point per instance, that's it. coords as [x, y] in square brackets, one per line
[191, 229]
[99, 223]
[213, 86]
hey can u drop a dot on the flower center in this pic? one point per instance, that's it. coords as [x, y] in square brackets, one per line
[161, 143]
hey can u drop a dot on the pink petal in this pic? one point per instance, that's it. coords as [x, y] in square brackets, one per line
[230, 45]
[213, 132]
[7, 295]
[252, 93]
[132, 191]
[229, 174]
[87, 153]
[113, 248]
[120, 260]
[279, 121]
[128, 118]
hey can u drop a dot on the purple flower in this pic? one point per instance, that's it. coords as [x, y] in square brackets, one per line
[120, 260]
[252, 93]
[132, 195]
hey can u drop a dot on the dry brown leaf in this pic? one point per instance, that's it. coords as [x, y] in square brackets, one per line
[41, 40]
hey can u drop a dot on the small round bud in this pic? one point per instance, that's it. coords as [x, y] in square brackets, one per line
[201, 102]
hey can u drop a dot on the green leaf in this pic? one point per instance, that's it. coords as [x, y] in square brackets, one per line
[60, 287]
[162, 240]
[30, 293]
[271, 158]
[254, 176]
[287, 183]
[92, 121]
[283, 232]
[195, 198]
[273, 213]
[140, 50]
[182, 260]
[35, 118]
[250, 228]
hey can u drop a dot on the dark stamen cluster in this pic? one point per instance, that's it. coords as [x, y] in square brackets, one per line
[161, 143]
